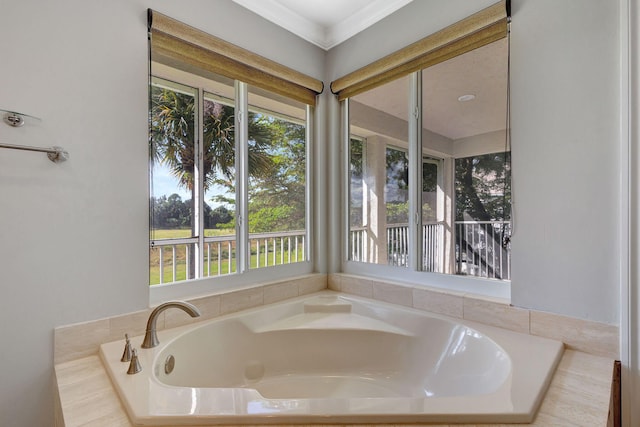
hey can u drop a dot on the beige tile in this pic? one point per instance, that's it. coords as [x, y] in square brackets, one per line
[589, 389]
[78, 371]
[356, 286]
[580, 365]
[547, 420]
[333, 282]
[133, 324]
[496, 314]
[280, 291]
[100, 386]
[312, 284]
[79, 340]
[241, 300]
[438, 302]
[570, 407]
[579, 391]
[591, 337]
[95, 405]
[87, 394]
[113, 419]
[393, 293]
[208, 306]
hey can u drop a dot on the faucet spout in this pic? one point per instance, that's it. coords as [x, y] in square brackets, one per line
[151, 337]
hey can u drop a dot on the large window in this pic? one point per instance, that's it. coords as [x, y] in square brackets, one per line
[430, 169]
[200, 192]
[229, 161]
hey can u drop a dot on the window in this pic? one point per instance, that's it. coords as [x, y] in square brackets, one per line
[229, 140]
[379, 177]
[449, 164]
[197, 206]
[277, 205]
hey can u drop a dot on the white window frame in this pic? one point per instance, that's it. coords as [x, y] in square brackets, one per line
[412, 274]
[244, 275]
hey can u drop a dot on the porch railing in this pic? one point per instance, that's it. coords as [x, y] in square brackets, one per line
[480, 248]
[172, 260]
[398, 245]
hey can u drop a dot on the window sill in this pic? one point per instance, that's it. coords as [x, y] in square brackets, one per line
[500, 289]
[212, 285]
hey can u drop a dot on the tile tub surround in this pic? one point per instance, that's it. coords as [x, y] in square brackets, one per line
[578, 395]
[595, 338]
[84, 339]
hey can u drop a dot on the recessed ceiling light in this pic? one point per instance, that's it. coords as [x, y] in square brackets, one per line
[466, 98]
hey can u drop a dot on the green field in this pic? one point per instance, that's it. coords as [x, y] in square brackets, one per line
[214, 266]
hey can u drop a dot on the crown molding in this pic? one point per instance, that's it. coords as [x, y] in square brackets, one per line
[361, 20]
[324, 37]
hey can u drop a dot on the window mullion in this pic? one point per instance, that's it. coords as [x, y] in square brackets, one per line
[309, 182]
[198, 183]
[345, 137]
[415, 172]
[243, 246]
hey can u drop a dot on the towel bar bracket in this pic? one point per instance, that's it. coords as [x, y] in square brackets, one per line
[14, 119]
[58, 155]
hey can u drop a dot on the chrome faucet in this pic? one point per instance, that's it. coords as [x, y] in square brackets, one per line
[150, 337]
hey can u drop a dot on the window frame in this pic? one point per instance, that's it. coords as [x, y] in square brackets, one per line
[414, 274]
[244, 275]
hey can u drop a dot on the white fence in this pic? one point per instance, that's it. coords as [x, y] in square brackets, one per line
[398, 245]
[481, 248]
[176, 260]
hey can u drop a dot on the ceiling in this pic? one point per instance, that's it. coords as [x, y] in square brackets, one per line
[481, 72]
[325, 23]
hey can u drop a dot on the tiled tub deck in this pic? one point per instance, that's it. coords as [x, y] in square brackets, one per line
[579, 394]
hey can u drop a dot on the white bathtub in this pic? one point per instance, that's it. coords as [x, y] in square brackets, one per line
[335, 358]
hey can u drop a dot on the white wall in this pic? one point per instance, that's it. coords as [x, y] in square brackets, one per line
[565, 138]
[565, 142]
[75, 235]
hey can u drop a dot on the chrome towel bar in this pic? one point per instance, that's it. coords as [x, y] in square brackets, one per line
[55, 154]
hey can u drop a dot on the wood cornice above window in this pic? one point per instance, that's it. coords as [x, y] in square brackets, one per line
[181, 46]
[475, 31]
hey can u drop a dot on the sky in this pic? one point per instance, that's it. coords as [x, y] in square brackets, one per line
[165, 184]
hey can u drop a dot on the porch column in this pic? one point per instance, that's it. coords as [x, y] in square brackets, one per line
[374, 214]
[446, 214]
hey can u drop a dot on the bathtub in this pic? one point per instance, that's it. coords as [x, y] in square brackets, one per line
[334, 358]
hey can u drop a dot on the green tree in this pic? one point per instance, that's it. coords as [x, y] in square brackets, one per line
[172, 136]
[219, 216]
[483, 187]
[277, 200]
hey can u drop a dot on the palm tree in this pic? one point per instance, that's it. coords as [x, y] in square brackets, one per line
[172, 136]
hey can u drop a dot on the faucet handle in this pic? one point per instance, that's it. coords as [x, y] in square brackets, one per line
[126, 355]
[134, 366]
